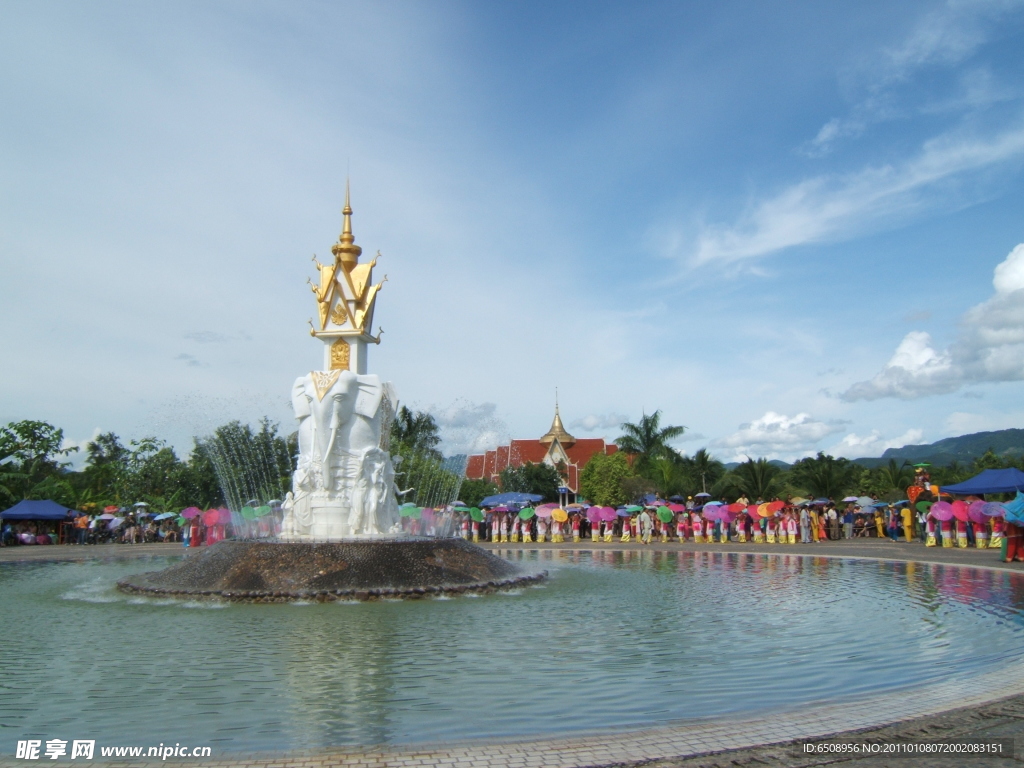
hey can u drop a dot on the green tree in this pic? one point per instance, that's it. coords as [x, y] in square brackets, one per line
[415, 432]
[31, 453]
[542, 479]
[473, 491]
[754, 479]
[824, 476]
[895, 477]
[647, 440]
[701, 471]
[602, 477]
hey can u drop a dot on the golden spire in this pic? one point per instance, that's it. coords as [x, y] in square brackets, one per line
[346, 248]
[557, 431]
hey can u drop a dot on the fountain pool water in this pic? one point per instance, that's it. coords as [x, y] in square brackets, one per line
[612, 640]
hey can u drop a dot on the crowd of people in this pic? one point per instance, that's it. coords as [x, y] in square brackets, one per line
[776, 522]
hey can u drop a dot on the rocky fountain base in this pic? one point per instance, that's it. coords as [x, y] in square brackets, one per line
[370, 569]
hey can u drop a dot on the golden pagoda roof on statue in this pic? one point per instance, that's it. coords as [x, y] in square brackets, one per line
[346, 296]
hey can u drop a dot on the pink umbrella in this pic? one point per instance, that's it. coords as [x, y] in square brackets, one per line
[976, 512]
[594, 514]
[608, 514]
[677, 507]
[941, 510]
[191, 512]
[545, 512]
[211, 517]
[960, 510]
[710, 513]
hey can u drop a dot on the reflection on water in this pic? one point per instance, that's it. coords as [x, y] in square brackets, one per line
[614, 639]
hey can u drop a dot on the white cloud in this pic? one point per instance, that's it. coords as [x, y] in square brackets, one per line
[828, 208]
[989, 347]
[777, 436]
[945, 37]
[602, 421]
[854, 446]
[467, 427]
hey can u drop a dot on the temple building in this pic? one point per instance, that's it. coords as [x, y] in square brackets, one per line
[557, 448]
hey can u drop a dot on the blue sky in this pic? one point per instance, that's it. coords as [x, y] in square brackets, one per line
[790, 227]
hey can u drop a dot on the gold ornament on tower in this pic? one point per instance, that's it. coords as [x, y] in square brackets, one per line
[340, 353]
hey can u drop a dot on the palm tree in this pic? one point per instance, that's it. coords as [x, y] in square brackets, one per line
[647, 440]
[823, 475]
[703, 470]
[754, 479]
[895, 477]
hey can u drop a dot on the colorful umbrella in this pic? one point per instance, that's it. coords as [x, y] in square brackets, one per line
[993, 509]
[190, 512]
[545, 512]
[960, 510]
[849, 498]
[106, 516]
[664, 514]
[703, 495]
[864, 501]
[924, 506]
[677, 507]
[624, 512]
[976, 512]
[476, 514]
[247, 512]
[633, 508]
[211, 517]
[164, 515]
[111, 508]
[527, 513]
[594, 514]
[608, 514]
[941, 510]
[559, 515]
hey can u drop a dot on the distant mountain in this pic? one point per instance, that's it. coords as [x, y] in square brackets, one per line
[965, 448]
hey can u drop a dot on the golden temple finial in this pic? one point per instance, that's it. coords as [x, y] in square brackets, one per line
[346, 249]
[557, 431]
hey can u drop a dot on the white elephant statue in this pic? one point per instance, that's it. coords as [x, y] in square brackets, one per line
[343, 486]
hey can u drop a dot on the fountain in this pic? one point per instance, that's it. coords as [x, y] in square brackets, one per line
[340, 534]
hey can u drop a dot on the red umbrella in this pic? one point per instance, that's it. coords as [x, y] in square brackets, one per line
[211, 517]
[960, 510]
[111, 508]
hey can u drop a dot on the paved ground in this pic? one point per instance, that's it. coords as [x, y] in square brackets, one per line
[990, 707]
[874, 549]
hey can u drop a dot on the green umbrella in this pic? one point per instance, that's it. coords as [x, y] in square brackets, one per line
[461, 509]
[415, 513]
[924, 506]
[476, 514]
[248, 513]
[665, 514]
[182, 520]
[633, 508]
[262, 511]
[527, 513]
[923, 464]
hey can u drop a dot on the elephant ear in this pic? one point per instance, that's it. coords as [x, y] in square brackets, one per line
[369, 396]
[299, 402]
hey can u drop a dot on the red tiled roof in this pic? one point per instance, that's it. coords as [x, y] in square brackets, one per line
[581, 452]
[501, 463]
[523, 451]
[475, 467]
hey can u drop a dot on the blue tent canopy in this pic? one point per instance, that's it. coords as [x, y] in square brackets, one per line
[989, 481]
[35, 510]
[510, 498]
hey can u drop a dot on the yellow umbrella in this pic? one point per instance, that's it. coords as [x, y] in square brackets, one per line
[560, 515]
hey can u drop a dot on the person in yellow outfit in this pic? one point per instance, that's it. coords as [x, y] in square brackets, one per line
[627, 529]
[879, 523]
[908, 522]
